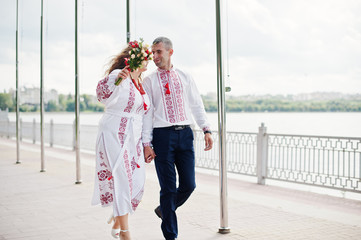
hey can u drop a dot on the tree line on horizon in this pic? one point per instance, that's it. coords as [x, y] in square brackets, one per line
[273, 105]
[66, 103]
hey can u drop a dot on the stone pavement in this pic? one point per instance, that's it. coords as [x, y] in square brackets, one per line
[48, 205]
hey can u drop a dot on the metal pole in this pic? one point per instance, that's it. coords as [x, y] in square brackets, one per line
[128, 22]
[42, 91]
[221, 127]
[77, 99]
[17, 86]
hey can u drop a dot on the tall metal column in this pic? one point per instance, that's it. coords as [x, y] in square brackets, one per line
[42, 90]
[221, 126]
[77, 100]
[17, 86]
[128, 21]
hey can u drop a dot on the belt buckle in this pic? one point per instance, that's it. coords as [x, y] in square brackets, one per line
[179, 128]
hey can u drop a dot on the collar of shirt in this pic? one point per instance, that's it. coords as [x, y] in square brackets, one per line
[164, 70]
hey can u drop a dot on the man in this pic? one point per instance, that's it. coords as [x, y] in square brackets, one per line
[174, 99]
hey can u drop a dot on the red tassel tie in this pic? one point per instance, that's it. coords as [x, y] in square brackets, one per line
[110, 178]
[167, 91]
[145, 106]
[138, 165]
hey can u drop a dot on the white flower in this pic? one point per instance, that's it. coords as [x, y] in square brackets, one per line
[146, 45]
[144, 54]
[133, 56]
[138, 55]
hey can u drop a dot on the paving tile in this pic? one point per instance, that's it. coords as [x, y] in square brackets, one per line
[50, 205]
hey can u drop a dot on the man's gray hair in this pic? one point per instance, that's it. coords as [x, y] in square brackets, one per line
[166, 41]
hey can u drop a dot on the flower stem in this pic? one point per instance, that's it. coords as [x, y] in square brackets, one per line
[118, 81]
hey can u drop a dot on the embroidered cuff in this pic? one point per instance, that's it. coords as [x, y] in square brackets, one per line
[206, 129]
[148, 144]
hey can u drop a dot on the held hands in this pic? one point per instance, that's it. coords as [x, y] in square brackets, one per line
[208, 142]
[149, 154]
[122, 75]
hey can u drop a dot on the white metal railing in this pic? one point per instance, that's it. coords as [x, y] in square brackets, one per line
[331, 162]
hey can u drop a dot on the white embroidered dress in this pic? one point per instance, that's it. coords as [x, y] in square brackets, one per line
[120, 170]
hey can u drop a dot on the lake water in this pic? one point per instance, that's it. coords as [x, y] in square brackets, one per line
[324, 124]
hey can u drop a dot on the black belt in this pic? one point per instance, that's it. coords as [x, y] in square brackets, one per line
[177, 127]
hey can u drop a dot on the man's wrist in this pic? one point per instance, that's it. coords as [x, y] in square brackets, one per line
[148, 144]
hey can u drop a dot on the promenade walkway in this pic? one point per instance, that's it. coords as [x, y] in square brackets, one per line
[49, 205]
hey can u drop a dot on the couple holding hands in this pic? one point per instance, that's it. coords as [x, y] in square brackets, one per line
[145, 121]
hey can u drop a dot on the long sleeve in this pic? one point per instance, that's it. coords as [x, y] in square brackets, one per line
[147, 132]
[196, 105]
[106, 89]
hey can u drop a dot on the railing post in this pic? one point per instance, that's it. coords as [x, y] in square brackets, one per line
[262, 154]
[34, 131]
[21, 129]
[8, 127]
[51, 141]
[74, 137]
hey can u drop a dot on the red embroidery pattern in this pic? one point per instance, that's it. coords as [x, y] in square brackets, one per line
[135, 203]
[206, 129]
[134, 164]
[140, 108]
[122, 127]
[111, 185]
[103, 91]
[104, 174]
[139, 149]
[131, 99]
[129, 172]
[106, 181]
[136, 200]
[106, 198]
[173, 99]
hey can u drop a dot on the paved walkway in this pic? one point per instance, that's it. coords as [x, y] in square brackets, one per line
[49, 205]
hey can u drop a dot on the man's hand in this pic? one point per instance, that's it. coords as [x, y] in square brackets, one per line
[208, 141]
[149, 154]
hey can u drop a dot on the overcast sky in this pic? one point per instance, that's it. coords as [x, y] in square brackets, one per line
[271, 46]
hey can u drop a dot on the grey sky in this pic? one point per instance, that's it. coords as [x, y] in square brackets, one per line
[274, 47]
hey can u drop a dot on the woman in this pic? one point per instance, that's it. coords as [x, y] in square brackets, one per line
[120, 170]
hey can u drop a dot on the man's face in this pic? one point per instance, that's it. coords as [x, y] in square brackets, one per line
[161, 56]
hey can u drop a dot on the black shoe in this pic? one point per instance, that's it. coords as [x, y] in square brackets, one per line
[158, 212]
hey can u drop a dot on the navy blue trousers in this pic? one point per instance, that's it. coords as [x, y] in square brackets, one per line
[174, 151]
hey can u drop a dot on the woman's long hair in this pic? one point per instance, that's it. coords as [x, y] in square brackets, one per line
[118, 62]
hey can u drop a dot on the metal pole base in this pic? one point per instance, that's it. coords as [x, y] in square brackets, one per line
[224, 230]
[18, 162]
[78, 182]
[42, 170]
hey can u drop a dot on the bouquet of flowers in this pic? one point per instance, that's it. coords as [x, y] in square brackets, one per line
[138, 55]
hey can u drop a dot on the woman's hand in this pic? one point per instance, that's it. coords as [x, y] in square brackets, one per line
[122, 75]
[149, 154]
